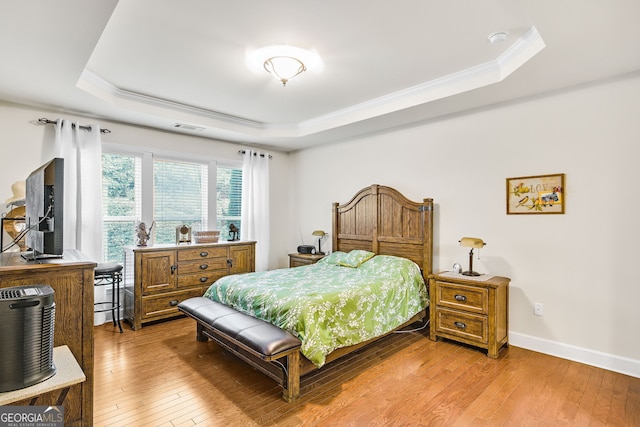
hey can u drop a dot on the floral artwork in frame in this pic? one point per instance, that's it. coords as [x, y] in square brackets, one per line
[542, 194]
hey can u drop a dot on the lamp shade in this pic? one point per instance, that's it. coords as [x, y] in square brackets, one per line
[319, 233]
[472, 242]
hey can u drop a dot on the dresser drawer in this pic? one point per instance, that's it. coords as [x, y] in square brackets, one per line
[166, 304]
[202, 265]
[464, 325]
[205, 278]
[462, 297]
[205, 252]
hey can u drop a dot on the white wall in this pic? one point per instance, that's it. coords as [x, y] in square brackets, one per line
[580, 265]
[25, 146]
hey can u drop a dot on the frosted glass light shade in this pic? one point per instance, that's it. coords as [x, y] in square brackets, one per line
[283, 62]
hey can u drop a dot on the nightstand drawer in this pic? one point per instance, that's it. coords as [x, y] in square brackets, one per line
[463, 325]
[298, 260]
[461, 297]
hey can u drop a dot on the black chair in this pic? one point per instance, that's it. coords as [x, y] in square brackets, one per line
[105, 274]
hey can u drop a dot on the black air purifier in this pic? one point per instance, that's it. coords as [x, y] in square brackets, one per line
[27, 319]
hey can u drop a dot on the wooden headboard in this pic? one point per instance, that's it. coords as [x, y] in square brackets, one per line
[381, 220]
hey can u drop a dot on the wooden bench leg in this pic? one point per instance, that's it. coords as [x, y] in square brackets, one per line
[199, 335]
[292, 391]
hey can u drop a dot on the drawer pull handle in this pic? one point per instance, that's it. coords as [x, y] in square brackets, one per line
[173, 268]
[461, 298]
[204, 254]
[203, 279]
[460, 325]
[173, 303]
[204, 266]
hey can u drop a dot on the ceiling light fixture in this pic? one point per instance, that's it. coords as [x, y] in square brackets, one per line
[283, 62]
[284, 67]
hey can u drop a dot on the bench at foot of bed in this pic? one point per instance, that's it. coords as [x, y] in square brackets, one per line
[249, 338]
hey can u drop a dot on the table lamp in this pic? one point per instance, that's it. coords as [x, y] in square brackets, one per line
[473, 243]
[320, 235]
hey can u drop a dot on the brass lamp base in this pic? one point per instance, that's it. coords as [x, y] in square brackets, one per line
[470, 273]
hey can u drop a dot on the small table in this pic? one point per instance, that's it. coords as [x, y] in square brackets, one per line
[296, 259]
[471, 310]
[68, 373]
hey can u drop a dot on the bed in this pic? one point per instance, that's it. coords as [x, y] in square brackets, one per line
[305, 317]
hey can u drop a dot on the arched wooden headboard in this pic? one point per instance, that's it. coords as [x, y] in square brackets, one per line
[381, 220]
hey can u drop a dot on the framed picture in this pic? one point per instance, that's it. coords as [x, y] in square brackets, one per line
[542, 194]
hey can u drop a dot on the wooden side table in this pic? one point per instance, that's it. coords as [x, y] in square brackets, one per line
[68, 373]
[470, 310]
[296, 259]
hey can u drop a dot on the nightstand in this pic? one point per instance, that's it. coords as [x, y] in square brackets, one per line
[296, 259]
[470, 310]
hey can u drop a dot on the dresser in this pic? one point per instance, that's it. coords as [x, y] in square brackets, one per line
[469, 310]
[71, 278]
[157, 278]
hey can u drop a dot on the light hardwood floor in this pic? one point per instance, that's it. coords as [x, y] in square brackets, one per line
[160, 376]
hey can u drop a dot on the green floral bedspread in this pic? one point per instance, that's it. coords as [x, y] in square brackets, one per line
[327, 305]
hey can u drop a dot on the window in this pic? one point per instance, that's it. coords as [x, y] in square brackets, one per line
[178, 194]
[180, 197]
[121, 203]
[229, 199]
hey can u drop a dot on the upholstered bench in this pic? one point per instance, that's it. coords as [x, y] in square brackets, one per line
[245, 336]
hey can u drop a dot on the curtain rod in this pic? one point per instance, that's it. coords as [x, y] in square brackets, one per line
[255, 154]
[47, 122]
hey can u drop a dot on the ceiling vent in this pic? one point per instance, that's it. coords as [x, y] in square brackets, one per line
[188, 127]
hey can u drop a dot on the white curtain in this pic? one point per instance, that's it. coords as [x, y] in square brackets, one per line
[82, 153]
[255, 204]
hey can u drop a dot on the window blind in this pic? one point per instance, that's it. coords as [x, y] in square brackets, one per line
[180, 197]
[229, 199]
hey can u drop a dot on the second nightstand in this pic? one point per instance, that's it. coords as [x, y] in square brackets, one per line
[474, 312]
[296, 259]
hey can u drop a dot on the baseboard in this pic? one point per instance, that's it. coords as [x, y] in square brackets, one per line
[598, 359]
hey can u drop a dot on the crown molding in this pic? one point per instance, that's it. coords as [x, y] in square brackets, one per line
[516, 55]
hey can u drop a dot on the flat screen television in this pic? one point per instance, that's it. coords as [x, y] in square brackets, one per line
[44, 210]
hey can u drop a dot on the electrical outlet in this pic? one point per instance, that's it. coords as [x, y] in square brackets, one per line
[538, 309]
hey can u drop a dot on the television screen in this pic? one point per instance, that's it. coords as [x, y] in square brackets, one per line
[44, 210]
